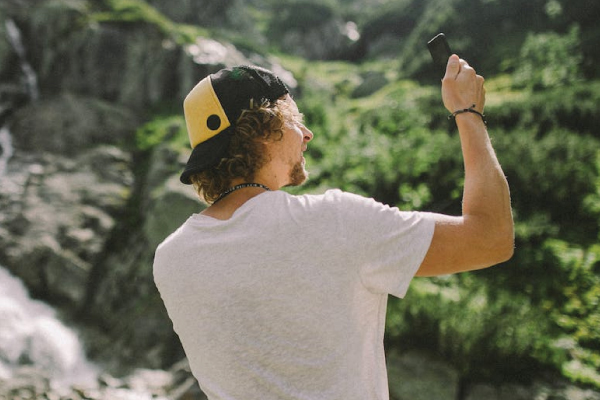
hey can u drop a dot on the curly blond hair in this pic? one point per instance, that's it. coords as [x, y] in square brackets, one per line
[246, 153]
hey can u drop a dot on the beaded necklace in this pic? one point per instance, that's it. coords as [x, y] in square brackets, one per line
[240, 186]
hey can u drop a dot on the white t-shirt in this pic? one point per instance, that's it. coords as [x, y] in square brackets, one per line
[287, 299]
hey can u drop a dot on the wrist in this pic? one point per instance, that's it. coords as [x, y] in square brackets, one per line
[469, 118]
[469, 122]
[468, 113]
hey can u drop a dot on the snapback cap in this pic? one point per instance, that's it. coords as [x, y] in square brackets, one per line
[215, 104]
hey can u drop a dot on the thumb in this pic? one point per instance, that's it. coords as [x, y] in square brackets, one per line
[453, 66]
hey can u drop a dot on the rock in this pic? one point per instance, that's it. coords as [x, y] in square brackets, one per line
[59, 216]
[506, 392]
[576, 393]
[26, 382]
[208, 51]
[539, 390]
[68, 124]
[126, 297]
[417, 375]
[155, 381]
[6, 51]
[371, 82]
[207, 13]
[143, 384]
[324, 42]
[171, 205]
[313, 30]
[167, 202]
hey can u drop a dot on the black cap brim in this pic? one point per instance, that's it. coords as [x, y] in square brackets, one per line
[206, 155]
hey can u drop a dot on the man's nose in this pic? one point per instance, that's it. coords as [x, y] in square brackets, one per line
[308, 135]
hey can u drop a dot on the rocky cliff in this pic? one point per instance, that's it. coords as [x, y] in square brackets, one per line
[82, 206]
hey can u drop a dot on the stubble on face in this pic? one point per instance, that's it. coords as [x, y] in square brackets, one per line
[298, 175]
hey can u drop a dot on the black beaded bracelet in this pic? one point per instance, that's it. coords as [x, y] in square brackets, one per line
[471, 110]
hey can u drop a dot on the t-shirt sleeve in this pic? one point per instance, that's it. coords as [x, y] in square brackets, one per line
[388, 244]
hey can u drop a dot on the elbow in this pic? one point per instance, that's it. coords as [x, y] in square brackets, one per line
[503, 247]
[506, 251]
[495, 239]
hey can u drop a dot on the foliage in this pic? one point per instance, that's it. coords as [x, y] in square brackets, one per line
[138, 11]
[577, 311]
[539, 309]
[470, 327]
[489, 33]
[549, 60]
[161, 129]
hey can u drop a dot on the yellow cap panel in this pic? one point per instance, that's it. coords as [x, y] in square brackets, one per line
[204, 115]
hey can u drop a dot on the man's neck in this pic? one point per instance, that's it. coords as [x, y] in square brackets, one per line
[226, 206]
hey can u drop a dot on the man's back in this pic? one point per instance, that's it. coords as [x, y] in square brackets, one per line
[287, 298]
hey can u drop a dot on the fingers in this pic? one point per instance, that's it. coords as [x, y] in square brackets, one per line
[457, 66]
[461, 86]
[480, 105]
[453, 67]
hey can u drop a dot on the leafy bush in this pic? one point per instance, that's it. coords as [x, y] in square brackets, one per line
[487, 336]
[549, 60]
[577, 311]
[539, 309]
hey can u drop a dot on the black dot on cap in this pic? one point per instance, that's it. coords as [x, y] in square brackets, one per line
[213, 122]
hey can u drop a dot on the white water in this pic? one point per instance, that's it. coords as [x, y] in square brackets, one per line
[14, 37]
[31, 334]
[6, 148]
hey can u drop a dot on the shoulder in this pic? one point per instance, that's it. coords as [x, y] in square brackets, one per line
[355, 209]
[331, 197]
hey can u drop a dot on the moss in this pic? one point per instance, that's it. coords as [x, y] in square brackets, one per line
[160, 129]
[137, 11]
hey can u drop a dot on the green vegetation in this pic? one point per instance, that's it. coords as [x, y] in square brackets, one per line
[169, 128]
[381, 130]
[539, 311]
[138, 11]
[549, 60]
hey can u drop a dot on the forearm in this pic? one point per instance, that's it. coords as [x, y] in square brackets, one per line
[483, 235]
[486, 196]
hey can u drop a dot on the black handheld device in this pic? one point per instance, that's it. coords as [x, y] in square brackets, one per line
[440, 50]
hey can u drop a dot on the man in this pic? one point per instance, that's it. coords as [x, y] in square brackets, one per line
[283, 297]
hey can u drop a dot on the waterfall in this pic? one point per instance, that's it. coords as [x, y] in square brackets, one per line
[14, 37]
[33, 341]
[6, 149]
[31, 334]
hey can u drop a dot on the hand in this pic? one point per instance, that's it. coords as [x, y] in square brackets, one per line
[462, 87]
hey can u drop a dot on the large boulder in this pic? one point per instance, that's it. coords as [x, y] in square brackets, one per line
[83, 208]
[58, 214]
[311, 30]
[68, 124]
[417, 375]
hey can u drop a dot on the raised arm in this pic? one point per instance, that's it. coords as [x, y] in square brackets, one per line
[483, 235]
